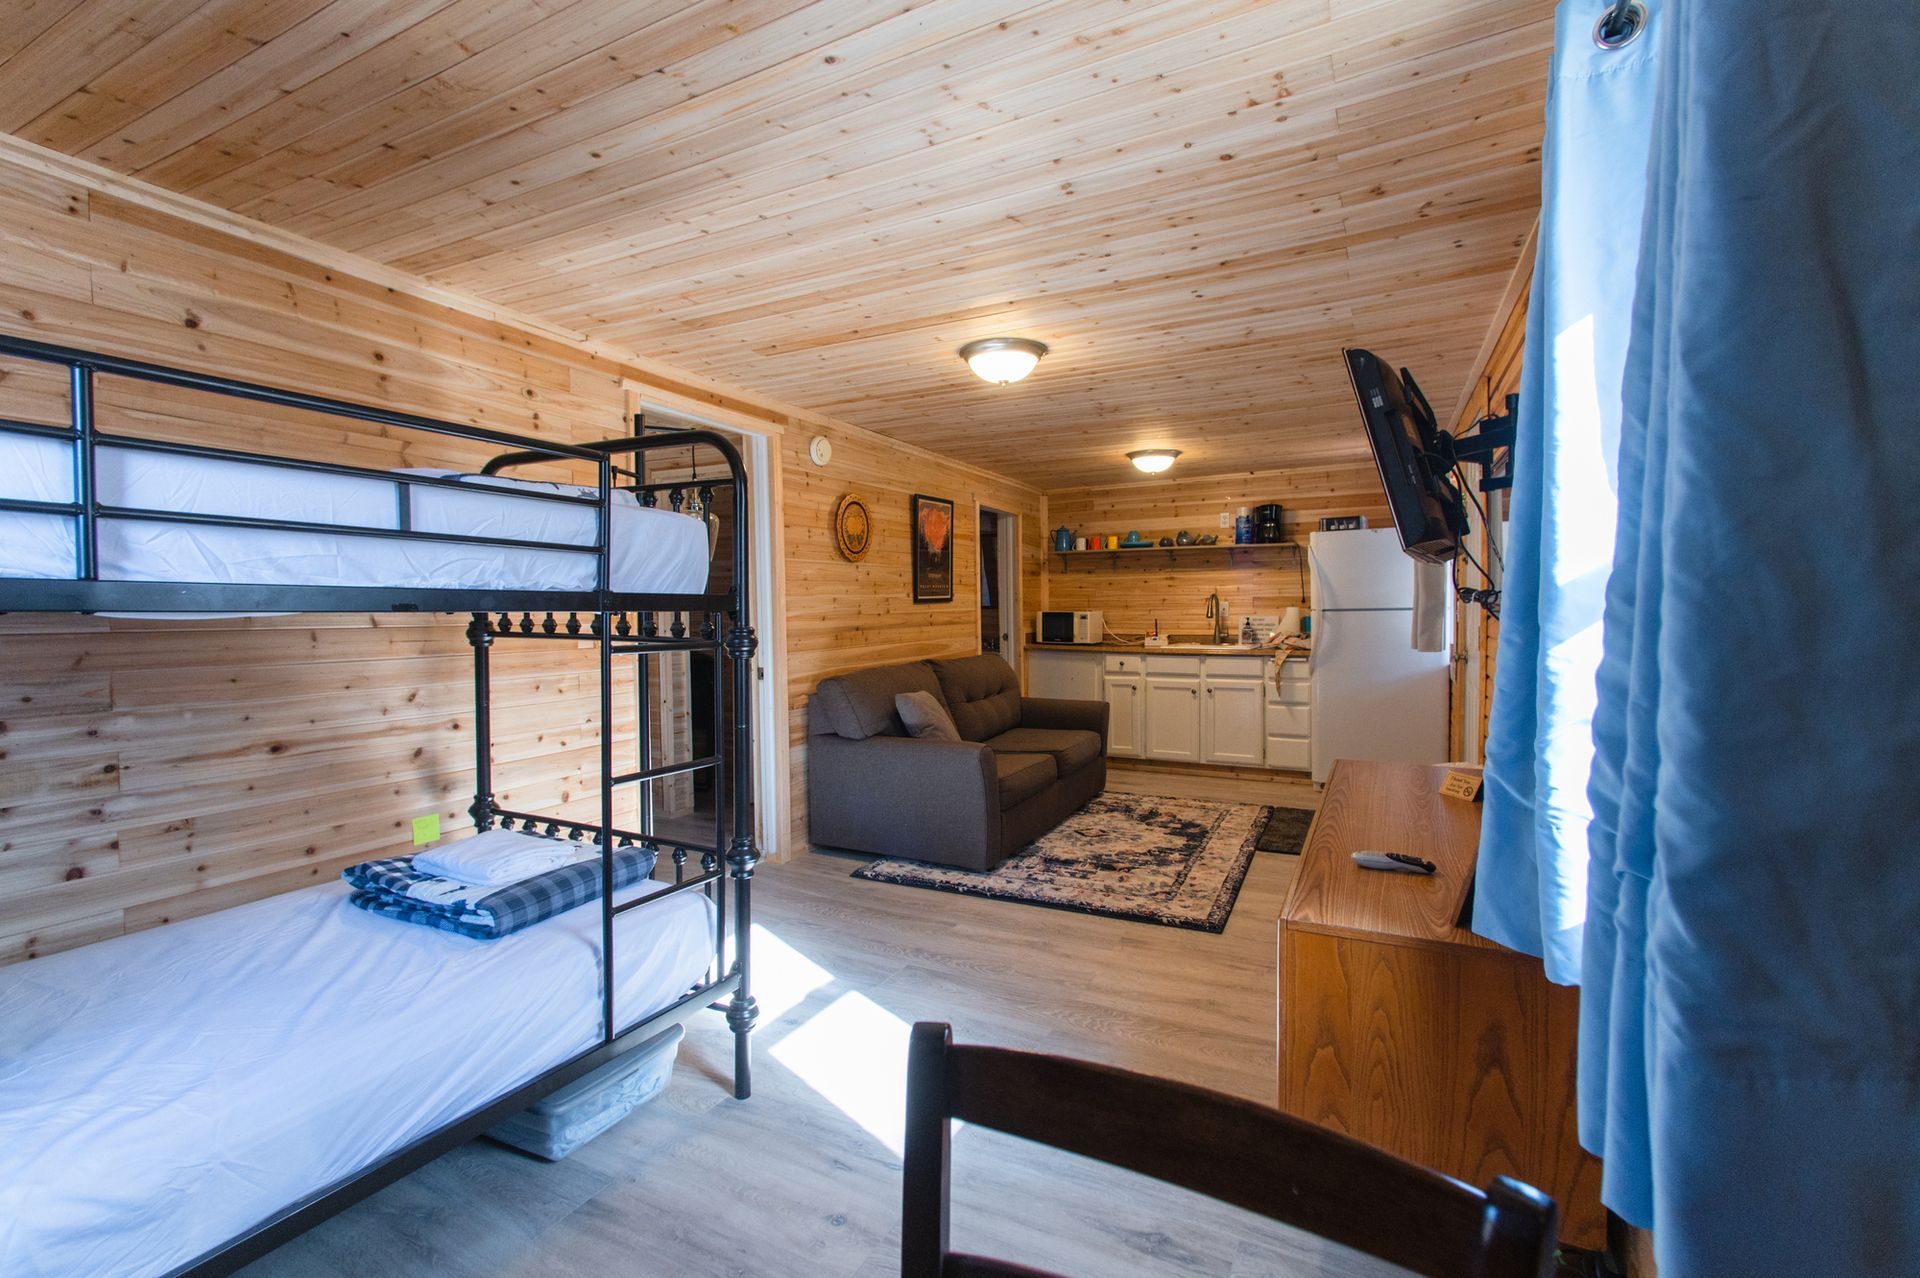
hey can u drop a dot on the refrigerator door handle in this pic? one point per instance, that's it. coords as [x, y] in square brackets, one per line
[1316, 593]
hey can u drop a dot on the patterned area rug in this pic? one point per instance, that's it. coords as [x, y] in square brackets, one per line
[1285, 830]
[1178, 862]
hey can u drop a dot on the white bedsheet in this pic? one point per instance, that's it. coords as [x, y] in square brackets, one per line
[654, 550]
[163, 1091]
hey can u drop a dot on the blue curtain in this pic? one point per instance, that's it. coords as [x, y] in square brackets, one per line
[1532, 885]
[1750, 1037]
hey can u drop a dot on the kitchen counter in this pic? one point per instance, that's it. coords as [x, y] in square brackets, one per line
[1179, 649]
[1187, 702]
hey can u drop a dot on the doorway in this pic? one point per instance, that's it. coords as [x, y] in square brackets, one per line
[1000, 629]
[686, 693]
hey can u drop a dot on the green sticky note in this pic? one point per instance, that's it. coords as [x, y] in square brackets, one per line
[426, 829]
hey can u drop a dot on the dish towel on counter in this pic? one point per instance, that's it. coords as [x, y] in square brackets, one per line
[1429, 607]
[495, 858]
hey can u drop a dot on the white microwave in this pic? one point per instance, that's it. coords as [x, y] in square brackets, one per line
[1069, 627]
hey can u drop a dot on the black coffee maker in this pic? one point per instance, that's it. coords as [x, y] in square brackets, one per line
[1266, 523]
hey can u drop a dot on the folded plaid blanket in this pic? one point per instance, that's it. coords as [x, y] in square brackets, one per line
[394, 888]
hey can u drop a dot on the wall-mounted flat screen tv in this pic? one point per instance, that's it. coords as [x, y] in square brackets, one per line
[1428, 509]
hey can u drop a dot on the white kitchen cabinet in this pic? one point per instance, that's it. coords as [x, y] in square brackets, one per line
[1068, 676]
[1290, 718]
[1295, 754]
[1233, 710]
[1172, 717]
[1233, 722]
[1226, 708]
[1126, 715]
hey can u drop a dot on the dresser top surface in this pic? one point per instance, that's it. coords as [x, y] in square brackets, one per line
[1388, 807]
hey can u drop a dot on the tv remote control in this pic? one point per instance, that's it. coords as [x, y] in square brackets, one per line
[1399, 861]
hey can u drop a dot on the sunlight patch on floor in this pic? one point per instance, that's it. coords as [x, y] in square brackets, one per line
[782, 975]
[854, 1053]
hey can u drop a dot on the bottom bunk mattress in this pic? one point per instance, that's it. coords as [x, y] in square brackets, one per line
[164, 1091]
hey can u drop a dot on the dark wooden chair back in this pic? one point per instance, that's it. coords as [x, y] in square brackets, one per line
[1236, 1151]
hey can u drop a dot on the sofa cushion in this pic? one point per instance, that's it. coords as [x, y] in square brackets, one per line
[860, 705]
[1022, 776]
[1071, 750]
[925, 716]
[981, 693]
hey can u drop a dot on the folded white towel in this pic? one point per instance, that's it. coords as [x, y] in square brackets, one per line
[495, 858]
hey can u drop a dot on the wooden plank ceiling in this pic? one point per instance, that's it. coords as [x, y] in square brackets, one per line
[1195, 202]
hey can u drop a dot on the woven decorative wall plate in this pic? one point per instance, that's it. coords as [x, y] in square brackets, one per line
[852, 527]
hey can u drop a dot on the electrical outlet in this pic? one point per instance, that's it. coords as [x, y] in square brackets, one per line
[1226, 520]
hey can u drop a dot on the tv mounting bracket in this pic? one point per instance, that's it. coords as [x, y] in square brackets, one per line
[1490, 435]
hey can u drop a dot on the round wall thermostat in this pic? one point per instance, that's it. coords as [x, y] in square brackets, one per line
[821, 450]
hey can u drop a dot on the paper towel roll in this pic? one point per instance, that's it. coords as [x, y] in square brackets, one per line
[1290, 622]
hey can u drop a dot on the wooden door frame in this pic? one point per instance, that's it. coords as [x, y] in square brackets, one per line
[1008, 546]
[760, 439]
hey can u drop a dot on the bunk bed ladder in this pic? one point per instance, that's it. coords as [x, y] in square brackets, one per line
[730, 860]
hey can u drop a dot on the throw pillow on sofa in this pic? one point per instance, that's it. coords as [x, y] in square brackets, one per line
[925, 717]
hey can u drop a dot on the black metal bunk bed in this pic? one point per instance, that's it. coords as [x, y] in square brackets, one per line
[617, 624]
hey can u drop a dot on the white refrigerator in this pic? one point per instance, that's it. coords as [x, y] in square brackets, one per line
[1374, 697]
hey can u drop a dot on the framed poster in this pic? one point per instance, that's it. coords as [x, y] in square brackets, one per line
[932, 549]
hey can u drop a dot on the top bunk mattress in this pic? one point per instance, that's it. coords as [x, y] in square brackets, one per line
[654, 551]
[161, 1092]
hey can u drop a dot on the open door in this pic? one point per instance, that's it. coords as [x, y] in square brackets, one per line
[1000, 629]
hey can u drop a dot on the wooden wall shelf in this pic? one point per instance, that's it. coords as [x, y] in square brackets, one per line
[1249, 553]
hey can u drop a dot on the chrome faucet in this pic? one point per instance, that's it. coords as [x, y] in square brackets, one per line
[1217, 614]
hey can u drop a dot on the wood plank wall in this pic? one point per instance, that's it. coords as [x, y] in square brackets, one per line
[844, 616]
[1474, 629]
[1135, 592]
[152, 770]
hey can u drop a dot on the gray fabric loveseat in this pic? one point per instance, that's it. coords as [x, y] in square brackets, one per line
[1023, 764]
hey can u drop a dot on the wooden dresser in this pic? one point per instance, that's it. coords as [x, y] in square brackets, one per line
[1405, 1030]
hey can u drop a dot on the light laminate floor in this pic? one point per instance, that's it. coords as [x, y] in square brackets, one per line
[803, 1179]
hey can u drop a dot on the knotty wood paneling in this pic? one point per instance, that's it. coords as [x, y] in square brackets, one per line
[1196, 202]
[1134, 592]
[150, 770]
[158, 769]
[844, 616]
[1476, 632]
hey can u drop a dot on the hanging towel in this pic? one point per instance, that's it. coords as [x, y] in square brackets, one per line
[1429, 607]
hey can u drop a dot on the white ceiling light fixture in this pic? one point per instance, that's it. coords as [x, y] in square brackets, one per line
[1153, 460]
[1002, 360]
